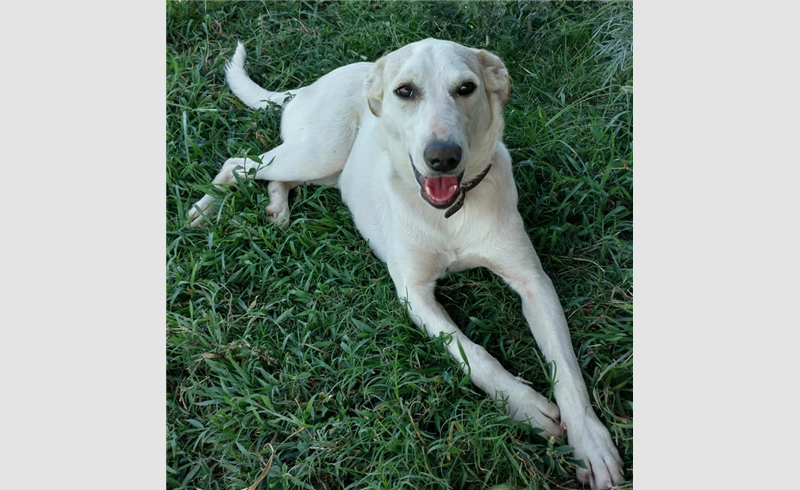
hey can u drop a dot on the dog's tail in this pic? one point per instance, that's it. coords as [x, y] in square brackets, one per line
[247, 90]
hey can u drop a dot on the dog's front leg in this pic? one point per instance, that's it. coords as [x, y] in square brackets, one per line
[514, 259]
[523, 403]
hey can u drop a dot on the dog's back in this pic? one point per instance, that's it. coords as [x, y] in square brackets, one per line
[327, 118]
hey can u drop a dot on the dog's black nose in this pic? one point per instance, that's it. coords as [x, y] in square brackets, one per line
[442, 156]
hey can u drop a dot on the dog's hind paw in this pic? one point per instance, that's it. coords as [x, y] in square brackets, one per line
[278, 213]
[278, 209]
[197, 214]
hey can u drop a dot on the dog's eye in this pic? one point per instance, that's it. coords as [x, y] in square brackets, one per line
[405, 92]
[466, 88]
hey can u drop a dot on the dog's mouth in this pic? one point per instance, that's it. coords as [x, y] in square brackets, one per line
[440, 192]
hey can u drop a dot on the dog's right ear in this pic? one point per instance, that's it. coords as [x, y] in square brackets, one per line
[373, 87]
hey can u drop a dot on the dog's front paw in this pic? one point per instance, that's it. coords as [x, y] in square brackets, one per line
[592, 443]
[538, 411]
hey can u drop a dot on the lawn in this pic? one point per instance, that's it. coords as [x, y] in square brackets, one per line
[289, 357]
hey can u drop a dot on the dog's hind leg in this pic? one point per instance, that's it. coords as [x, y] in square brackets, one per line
[285, 166]
[318, 130]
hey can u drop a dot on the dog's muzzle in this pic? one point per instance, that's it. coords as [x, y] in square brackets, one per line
[445, 191]
[440, 192]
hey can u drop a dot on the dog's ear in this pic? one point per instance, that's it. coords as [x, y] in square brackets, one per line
[373, 87]
[495, 76]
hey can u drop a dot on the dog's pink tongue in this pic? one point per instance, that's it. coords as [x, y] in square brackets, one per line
[441, 188]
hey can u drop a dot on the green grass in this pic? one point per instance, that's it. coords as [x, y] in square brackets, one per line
[287, 348]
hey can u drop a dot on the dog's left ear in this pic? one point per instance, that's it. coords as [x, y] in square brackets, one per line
[495, 76]
[373, 87]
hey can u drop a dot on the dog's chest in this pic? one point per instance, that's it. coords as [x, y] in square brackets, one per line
[462, 244]
[461, 259]
[464, 262]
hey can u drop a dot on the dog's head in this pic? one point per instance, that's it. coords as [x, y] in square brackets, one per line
[440, 105]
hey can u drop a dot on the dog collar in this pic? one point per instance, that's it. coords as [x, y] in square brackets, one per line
[462, 195]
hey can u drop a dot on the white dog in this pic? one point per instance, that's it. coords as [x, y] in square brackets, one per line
[413, 142]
